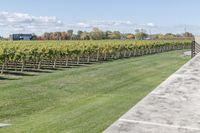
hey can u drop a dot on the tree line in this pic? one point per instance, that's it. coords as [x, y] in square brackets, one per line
[97, 34]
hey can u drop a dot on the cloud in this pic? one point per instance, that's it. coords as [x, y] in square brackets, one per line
[113, 25]
[23, 23]
[103, 23]
[151, 24]
[12, 22]
[83, 25]
[130, 26]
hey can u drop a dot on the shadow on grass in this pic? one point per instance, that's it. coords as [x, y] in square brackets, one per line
[38, 71]
[6, 78]
[15, 73]
[29, 70]
[34, 72]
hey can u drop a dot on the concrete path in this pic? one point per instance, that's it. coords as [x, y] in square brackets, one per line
[187, 53]
[4, 125]
[173, 107]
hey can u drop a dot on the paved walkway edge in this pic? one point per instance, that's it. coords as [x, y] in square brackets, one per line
[173, 107]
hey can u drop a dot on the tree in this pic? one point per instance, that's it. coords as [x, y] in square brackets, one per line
[178, 35]
[47, 36]
[70, 34]
[34, 36]
[85, 36]
[157, 36]
[52, 36]
[63, 36]
[108, 35]
[74, 37]
[57, 35]
[130, 36]
[187, 34]
[141, 36]
[96, 34]
[169, 35]
[140, 30]
[79, 34]
[116, 35]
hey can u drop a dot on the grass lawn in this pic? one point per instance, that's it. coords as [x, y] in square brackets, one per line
[84, 99]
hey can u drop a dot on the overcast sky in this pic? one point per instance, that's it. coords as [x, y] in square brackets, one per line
[159, 16]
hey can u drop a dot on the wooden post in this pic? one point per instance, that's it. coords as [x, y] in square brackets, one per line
[97, 59]
[39, 64]
[23, 64]
[2, 69]
[193, 49]
[78, 60]
[54, 64]
[66, 61]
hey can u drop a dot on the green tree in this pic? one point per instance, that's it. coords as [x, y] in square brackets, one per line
[58, 35]
[70, 34]
[34, 36]
[79, 34]
[188, 34]
[85, 36]
[169, 35]
[108, 35]
[47, 36]
[116, 35]
[141, 36]
[130, 36]
[96, 34]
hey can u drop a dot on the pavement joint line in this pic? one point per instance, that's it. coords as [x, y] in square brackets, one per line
[158, 124]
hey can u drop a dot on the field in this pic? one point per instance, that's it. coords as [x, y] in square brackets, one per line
[83, 99]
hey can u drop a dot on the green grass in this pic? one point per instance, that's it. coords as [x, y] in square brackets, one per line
[85, 99]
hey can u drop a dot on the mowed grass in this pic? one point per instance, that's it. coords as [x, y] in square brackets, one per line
[84, 99]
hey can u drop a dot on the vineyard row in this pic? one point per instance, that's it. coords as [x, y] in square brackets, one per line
[32, 55]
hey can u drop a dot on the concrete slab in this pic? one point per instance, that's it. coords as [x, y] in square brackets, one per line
[187, 53]
[173, 107]
[4, 125]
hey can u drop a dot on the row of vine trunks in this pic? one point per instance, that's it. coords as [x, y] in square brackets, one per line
[28, 65]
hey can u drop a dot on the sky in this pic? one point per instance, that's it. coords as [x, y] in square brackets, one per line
[156, 16]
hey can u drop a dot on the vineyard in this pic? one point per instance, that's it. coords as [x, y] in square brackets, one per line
[35, 55]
